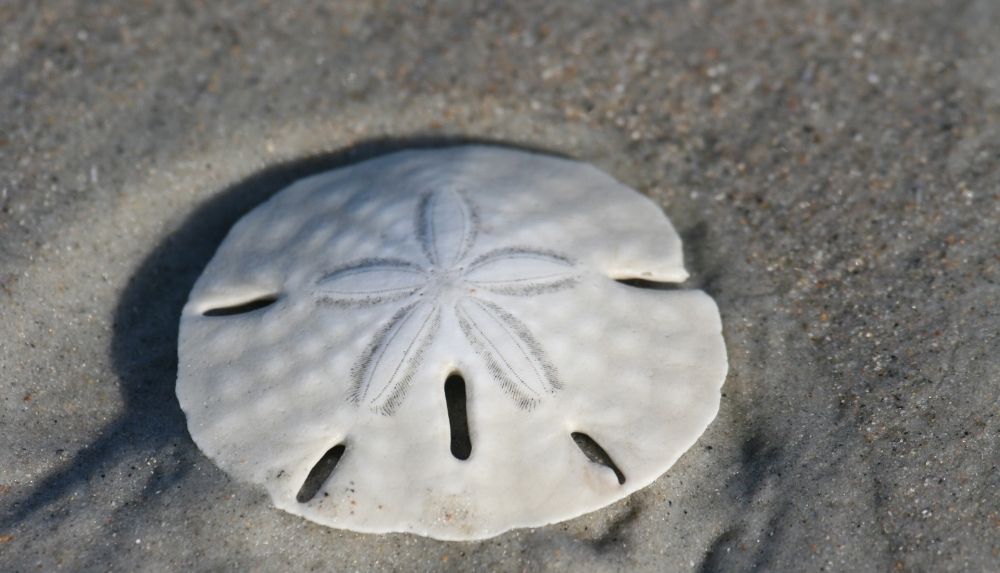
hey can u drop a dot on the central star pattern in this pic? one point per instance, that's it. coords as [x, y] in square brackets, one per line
[450, 287]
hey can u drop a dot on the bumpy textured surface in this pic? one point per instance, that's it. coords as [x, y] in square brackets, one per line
[383, 279]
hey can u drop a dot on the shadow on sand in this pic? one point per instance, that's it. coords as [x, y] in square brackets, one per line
[144, 344]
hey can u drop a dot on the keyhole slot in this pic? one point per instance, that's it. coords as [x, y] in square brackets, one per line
[242, 307]
[320, 473]
[458, 416]
[596, 454]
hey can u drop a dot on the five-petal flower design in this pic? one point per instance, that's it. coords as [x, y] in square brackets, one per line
[443, 291]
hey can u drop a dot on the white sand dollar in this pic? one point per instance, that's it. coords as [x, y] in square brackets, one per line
[435, 342]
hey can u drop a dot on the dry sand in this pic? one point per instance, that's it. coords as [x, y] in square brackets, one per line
[833, 168]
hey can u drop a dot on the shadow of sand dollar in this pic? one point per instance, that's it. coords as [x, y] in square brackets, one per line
[145, 327]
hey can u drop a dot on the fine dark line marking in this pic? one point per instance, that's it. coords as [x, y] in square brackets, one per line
[364, 301]
[417, 356]
[533, 348]
[329, 294]
[409, 348]
[392, 392]
[375, 293]
[530, 354]
[496, 371]
[382, 345]
[371, 265]
[360, 371]
[514, 253]
[428, 233]
[320, 473]
[458, 417]
[596, 453]
[545, 278]
[243, 307]
[497, 355]
[432, 231]
[530, 289]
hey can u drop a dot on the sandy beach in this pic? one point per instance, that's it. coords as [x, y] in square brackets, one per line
[833, 169]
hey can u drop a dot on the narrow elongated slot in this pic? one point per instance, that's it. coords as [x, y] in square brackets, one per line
[649, 285]
[320, 473]
[243, 307]
[458, 416]
[596, 453]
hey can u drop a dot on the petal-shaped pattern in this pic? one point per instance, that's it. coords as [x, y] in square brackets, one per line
[383, 374]
[446, 226]
[512, 354]
[370, 281]
[521, 271]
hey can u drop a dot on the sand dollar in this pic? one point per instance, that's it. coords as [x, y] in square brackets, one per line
[440, 342]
